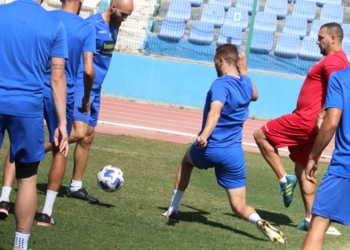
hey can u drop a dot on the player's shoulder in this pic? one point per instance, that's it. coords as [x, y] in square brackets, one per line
[342, 74]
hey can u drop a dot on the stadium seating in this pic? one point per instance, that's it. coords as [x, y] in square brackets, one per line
[288, 45]
[224, 3]
[316, 28]
[320, 3]
[247, 4]
[202, 33]
[296, 25]
[237, 17]
[278, 7]
[346, 31]
[214, 14]
[196, 3]
[172, 29]
[230, 34]
[309, 49]
[305, 9]
[332, 13]
[262, 41]
[88, 8]
[346, 49]
[179, 9]
[265, 21]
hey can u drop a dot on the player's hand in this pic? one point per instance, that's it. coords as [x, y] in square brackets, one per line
[319, 122]
[311, 170]
[202, 142]
[85, 106]
[242, 63]
[61, 140]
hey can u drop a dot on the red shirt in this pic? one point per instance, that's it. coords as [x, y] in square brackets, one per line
[312, 95]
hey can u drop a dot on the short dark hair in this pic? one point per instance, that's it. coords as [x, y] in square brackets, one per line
[334, 29]
[228, 52]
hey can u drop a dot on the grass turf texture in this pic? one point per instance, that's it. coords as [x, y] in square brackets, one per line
[130, 218]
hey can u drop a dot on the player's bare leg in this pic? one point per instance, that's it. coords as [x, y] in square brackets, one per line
[270, 153]
[7, 183]
[315, 236]
[307, 189]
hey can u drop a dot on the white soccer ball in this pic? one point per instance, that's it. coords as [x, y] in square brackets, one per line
[110, 178]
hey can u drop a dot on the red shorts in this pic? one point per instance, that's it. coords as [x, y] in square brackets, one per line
[285, 131]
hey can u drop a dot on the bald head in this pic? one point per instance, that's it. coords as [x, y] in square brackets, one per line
[118, 11]
[334, 29]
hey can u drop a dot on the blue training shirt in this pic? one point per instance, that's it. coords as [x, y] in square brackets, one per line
[235, 94]
[29, 37]
[338, 96]
[106, 37]
[81, 37]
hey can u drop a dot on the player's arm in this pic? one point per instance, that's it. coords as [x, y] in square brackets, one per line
[59, 96]
[89, 75]
[212, 120]
[325, 135]
[320, 118]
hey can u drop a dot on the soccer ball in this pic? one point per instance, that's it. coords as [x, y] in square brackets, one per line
[110, 178]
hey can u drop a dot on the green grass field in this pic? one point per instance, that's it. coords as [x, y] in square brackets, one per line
[129, 218]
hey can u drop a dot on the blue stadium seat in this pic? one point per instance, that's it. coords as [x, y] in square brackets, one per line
[247, 4]
[346, 49]
[214, 14]
[320, 3]
[288, 45]
[230, 34]
[180, 9]
[262, 41]
[316, 28]
[305, 9]
[296, 25]
[332, 13]
[265, 21]
[237, 17]
[196, 3]
[202, 33]
[309, 49]
[346, 31]
[278, 7]
[172, 29]
[224, 3]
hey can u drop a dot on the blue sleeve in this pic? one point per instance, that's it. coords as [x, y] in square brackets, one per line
[334, 98]
[59, 48]
[218, 91]
[90, 41]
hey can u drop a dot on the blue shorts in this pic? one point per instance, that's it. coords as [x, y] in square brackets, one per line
[51, 117]
[229, 164]
[27, 137]
[91, 118]
[333, 199]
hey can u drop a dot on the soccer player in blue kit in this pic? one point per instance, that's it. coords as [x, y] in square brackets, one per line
[107, 25]
[331, 202]
[26, 48]
[219, 143]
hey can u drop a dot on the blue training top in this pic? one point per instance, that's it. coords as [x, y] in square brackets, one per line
[29, 37]
[106, 37]
[81, 37]
[338, 96]
[235, 94]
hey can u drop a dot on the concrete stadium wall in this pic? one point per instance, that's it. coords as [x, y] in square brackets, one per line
[186, 84]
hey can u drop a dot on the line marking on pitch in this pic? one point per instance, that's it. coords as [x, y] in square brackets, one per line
[172, 132]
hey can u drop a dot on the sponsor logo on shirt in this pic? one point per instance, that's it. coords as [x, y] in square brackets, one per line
[107, 48]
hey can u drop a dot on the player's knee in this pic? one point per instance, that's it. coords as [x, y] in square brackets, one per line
[26, 170]
[258, 135]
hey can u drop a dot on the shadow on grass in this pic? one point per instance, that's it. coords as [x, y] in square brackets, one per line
[101, 204]
[42, 187]
[199, 217]
[274, 218]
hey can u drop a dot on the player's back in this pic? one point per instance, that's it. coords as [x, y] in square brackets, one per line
[80, 38]
[27, 35]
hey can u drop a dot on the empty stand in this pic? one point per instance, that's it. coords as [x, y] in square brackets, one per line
[332, 13]
[346, 31]
[288, 45]
[316, 28]
[214, 14]
[230, 34]
[88, 8]
[224, 3]
[306, 9]
[179, 9]
[172, 29]
[247, 4]
[265, 21]
[296, 25]
[237, 17]
[202, 33]
[309, 49]
[322, 2]
[277, 7]
[346, 49]
[196, 3]
[262, 41]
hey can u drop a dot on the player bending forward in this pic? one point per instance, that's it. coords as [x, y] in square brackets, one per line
[219, 144]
